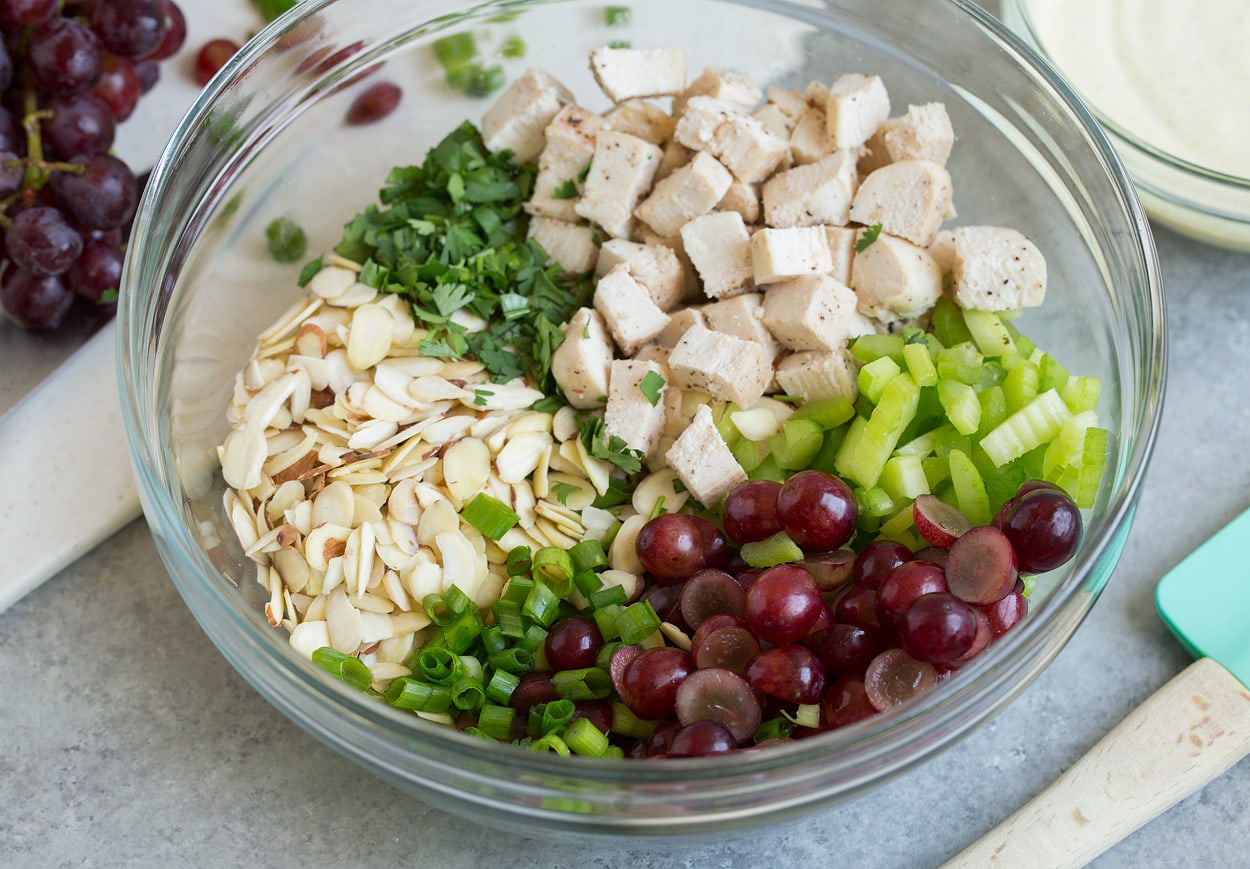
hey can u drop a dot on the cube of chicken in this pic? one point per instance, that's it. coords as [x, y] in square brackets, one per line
[895, 280]
[728, 368]
[743, 317]
[570, 146]
[653, 353]
[632, 317]
[656, 266]
[517, 119]
[777, 254]
[841, 242]
[924, 133]
[699, 119]
[630, 414]
[813, 374]
[639, 118]
[620, 174]
[680, 321]
[583, 361]
[996, 269]
[675, 156]
[689, 192]
[818, 193]
[719, 247]
[791, 103]
[743, 198]
[809, 140]
[569, 244]
[775, 120]
[943, 251]
[626, 73]
[726, 85]
[748, 149]
[810, 313]
[857, 105]
[702, 460]
[909, 199]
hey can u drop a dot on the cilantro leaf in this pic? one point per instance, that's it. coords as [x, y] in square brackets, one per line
[869, 236]
[567, 190]
[563, 490]
[650, 386]
[610, 448]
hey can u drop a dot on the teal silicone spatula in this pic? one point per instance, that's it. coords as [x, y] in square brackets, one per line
[1188, 733]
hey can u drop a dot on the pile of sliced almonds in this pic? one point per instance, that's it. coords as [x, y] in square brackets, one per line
[351, 455]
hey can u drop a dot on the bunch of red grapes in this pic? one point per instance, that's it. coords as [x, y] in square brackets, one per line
[70, 72]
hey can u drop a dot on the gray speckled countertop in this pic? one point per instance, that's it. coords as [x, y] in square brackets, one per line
[127, 740]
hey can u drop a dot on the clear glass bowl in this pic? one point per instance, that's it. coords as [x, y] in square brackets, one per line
[266, 140]
[1202, 203]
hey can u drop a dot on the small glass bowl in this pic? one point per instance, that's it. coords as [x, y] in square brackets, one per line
[1210, 206]
[266, 140]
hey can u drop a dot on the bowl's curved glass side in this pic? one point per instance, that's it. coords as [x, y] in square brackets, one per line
[201, 286]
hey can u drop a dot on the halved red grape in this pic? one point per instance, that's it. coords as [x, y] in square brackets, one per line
[985, 636]
[858, 607]
[876, 560]
[845, 702]
[715, 623]
[831, 570]
[670, 547]
[1044, 527]
[895, 677]
[782, 604]
[619, 663]
[708, 593]
[750, 511]
[715, 547]
[598, 712]
[700, 739]
[1006, 613]
[905, 584]
[719, 695]
[934, 555]
[981, 567]
[730, 648]
[650, 681]
[212, 56]
[573, 643]
[534, 687]
[938, 523]
[938, 628]
[817, 510]
[791, 672]
[847, 650]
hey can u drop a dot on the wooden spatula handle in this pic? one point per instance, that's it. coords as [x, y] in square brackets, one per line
[1186, 734]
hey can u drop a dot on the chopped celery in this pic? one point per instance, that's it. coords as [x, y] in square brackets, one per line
[1052, 374]
[749, 454]
[970, 495]
[1020, 385]
[725, 426]
[899, 528]
[993, 409]
[771, 551]
[923, 445]
[758, 424]
[863, 406]
[929, 415]
[1093, 461]
[1081, 393]
[960, 362]
[988, 333]
[948, 439]
[1028, 428]
[962, 406]
[903, 477]
[768, 470]
[827, 412]
[1065, 448]
[876, 376]
[1022, 342]
[875, 502]
[872, 346]
[948, 323]
[1001, 483]
[864, 452]
[796, 444]
[937, 470]
[920, 364]
[824, 459]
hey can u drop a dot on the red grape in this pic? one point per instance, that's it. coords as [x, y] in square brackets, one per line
[894, 677]
[905, 584]
[16, 13]
[981, 566]
[750, 511]
[33, 301]
[64, 57]
[729, 648]
[708, 593]
[939, 523]
[96, 271]
[669, 546]
[715, 547]
[535, 687]
[212, 57]
[129, 28]
[374, 103]
[1006, 613]
[41, 241]
[783, 604]
[846, 650]
[650, 682]
[858, 607]
[573, 643]
[817, 510]
[1044, 527]
[6, 67]
[722, 696]
[79, 125]
[701, 739]
[845, 702]
[118, 86]
[103, 196]
[598, 712]
[876, 560]
[791, 672]
[11, 173]
[938, 628]
[831, 570]
[175, 32]
[149, 73]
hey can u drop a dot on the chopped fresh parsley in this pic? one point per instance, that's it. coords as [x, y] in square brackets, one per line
[480, 396]
[109, 295]
[620, 43]
[287, 242]
[458, 56]
[658, 509]
[450, 235]
[567, 190]
[581, 176]
[617, 16]
[513, 46]
[610, 448]
[563, 490]
[306, 274]
[650, 386]
[869, 236]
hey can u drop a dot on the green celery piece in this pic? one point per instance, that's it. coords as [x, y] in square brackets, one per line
[962, 362]
[948, 323]
[929, 415]
[768, 470]
[949, 439]
[937, 470]
[1052, 374]
[867, 348]
[962, 406]
[824, 459]
[724, 426]
[1027, 428]
[797, 443]
[749, 454]
[993, 409]
[874, 502]
[1081, 393]
[1093, 462]
[900, 528]
[771, 551]
[863, 455]
[920, 364]
[903, 477]
[876, 375]
[970, 495]
[1001, 483]
[1022, 342]
[1065, 448]
[1021, 385]
[863, 406]
[925, 444]
[828, 413]
[989, 333]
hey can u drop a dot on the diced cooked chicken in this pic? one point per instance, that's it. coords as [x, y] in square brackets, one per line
[582, 362]
[810, 313]
[569, 244]
[775, 120]
[728, 368]
[841, 241]
[702, 460]
[719, 247]
[777, 254]
[656, 266]
[792, 103]
[813, 374]
[653, 353]
[640, 118]
[743, 198]
[699, 119]
[630, 414]
[631, 316]
[742, 143]
[620, 175]
[694, 292]
[996, 269]
[909, 199]
[895, 280]
[675, 156]
[809, 140]
[626, 73]
[856, 107]
[690, 191]
[818, 193]
[743, 317]
[570, 145]
[681, 320]
[943, 251]
[726, 85]
[517, 119]
[924, 133]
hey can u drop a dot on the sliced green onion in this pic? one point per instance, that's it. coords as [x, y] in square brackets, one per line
[556, 716]
[554, 567]
[493, 639]
[508, 618]
[500, 687]
[805, 715]
[774, 728]
[496, 721]
[588, 555]
[637, 622]
[437, 608]
[468, 694]
[479, 734]
[771, 551]
[603, 660]
[613, 752]
[406, 692]
[541, 604]
[460, 635]
[582, 737]
[607, 619]
[348, 668]
[588, 683]
[612, 594]
[489, 515]
[519, 561]
[552, 743]
[626, 723]
[517, 590]
[457, 600]
[587, 582]
[439, 665]
[514, 659]
[535, 637]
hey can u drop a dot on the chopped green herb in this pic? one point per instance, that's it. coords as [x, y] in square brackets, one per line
[658, 509]
[480, 396]
[651, 384]
[306, 274]
[581, 176]
[287, 242]
[620, 43]
[563, 490]
[456, 50]
[477, 80]
[271, 9]
[869, 236]
[567, 190]
[610, 448]
[109, 295]
[617, 16]
[513, 46]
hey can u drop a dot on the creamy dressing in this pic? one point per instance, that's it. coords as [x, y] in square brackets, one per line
[1174, 74]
